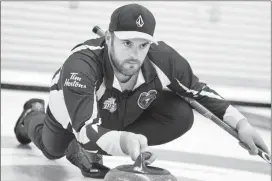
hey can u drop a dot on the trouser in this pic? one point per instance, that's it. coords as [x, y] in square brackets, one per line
[166, 119]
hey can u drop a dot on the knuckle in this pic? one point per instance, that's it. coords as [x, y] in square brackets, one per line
[144, 139]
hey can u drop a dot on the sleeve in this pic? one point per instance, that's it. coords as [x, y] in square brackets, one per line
[184, 82]
[78, 82]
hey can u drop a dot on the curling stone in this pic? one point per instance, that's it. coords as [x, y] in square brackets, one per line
[139, 171]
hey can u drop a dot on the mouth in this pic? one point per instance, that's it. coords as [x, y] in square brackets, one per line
[132, 62]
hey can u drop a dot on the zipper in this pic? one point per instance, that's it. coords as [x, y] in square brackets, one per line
[124, 98]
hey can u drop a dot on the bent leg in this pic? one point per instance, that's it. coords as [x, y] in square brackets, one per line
[47, 135]
[168, 118]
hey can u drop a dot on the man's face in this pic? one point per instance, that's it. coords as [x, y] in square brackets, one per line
[128, 55]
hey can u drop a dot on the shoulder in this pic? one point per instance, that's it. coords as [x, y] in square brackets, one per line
[166, 57]
[91, 48]
[93, 45]
[86, 56]
[162, 50]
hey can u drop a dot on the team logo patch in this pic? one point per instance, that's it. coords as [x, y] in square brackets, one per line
[110, 104]
[146, 98]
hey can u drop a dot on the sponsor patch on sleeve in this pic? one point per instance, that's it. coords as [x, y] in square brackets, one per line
[75, 80]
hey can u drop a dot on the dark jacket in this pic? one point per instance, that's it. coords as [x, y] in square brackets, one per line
[84, 91]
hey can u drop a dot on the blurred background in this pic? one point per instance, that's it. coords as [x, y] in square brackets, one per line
[228, 45]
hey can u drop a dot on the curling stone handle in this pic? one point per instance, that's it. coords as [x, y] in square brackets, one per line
[139, 164]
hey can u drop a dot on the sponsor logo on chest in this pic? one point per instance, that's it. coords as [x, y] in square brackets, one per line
[146, 98]
[74, 81]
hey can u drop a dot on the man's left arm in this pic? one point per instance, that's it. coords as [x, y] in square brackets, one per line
[185, 83]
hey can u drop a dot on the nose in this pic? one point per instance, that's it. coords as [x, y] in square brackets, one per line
[135, 53]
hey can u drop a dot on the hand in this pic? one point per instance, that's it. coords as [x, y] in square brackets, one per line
[134, 144]
[250, 137]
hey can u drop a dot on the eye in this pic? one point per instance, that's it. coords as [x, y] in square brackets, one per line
[144, 45]
[127, 43]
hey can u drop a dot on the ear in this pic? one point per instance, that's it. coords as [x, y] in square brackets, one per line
[107, 36]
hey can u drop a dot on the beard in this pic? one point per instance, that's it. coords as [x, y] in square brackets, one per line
[127, 67]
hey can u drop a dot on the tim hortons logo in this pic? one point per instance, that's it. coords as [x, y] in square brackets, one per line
[110, 104]
[74, 81]
[146, 98]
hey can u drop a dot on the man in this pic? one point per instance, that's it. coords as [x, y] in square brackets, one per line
[117, 95]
